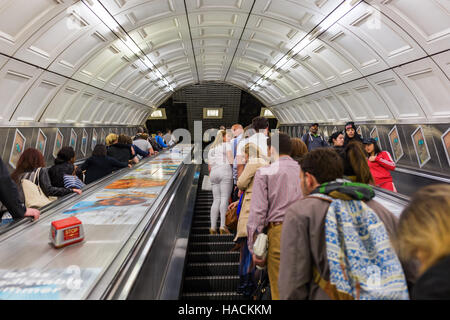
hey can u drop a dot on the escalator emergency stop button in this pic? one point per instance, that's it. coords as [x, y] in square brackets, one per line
[66, 231]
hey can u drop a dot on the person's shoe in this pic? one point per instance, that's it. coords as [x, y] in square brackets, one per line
[212, 231]
[242, 285]
[224, 230]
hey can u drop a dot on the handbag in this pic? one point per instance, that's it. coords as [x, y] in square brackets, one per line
[262, 291]
[34, 196]
[72, 182]
[231, 219]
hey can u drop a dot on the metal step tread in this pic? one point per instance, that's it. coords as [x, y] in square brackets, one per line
[197, 278]
[212, 264]
[215, 252]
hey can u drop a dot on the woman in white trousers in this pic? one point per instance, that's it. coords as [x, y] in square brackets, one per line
[220, 161]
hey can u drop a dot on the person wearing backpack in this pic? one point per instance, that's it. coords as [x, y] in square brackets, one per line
[336, 240]
[313, 139]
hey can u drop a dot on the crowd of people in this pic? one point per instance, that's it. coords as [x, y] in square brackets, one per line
[32, 185]
[307, 218]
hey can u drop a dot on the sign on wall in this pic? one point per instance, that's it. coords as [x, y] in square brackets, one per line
[58, 143]
[41, 142]
[17, 148]
[73, 139]
[446, 142]
[420, 146]
[374, 135]
[396, 145]
[94, 139]
[84, 142]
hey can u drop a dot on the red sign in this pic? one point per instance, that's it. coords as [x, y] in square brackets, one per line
[71, 233]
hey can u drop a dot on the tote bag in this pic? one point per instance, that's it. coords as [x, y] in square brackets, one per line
[34, 196]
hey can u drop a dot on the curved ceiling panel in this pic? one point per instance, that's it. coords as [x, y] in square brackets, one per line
[113, 61]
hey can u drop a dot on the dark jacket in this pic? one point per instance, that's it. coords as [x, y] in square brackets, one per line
[347, 140]
[140, 152]
[120, 152]
[45, 184]
[155, 144]
[434, 284]
[9, 194]
[57, 172]
[97, 167]
[314, 141]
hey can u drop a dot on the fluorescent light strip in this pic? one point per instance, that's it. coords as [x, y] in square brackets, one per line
[109, 21]
[334, 17]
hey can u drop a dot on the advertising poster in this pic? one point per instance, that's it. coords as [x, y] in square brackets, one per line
[359, 131]
[374, 135]
[17, 148]
[58, 143]
[103, 136]
[84, 142]
[396, 145]
[41, 142]
[420, 146]
[446, 142]
[73, 139]
[94, 139]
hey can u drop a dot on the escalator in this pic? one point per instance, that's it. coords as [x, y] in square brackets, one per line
[211, 271]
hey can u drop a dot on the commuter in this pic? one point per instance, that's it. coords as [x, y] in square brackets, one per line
[64, 165]
[143, 144]
[337, 140]
[275, 188]
[238, 133]
[356, 168]
[380, 164]
[169, 139]
[99, 164]
[139, 132]
[111, 139]
[424, 235]
[222, 128]
[240, 156]
[299, 149]
[313, 139]
[261, 127]
[160, 140]
[351, 134]
[122, 151]
[30, 164]
[220, 159]
[254, 160]
[10, 198]
[335, 241]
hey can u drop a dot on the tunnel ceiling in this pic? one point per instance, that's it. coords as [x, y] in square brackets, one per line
[113, 61]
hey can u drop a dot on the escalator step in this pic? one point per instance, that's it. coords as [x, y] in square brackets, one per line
[218, 256]
[212, 269]
[211, 283]
[212, 237]
[212, 296]
[210, 246]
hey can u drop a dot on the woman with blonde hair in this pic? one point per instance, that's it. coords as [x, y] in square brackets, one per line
[254, 159]
[220, 160]
[424, 235]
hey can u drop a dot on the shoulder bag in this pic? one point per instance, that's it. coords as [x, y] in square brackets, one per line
[34, 196]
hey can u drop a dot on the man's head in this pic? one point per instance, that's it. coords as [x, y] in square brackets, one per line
[279, 144]
[320, 166]
[261, 124]
[314, 128]
[237, 130]
[159, 133]
[169, 131]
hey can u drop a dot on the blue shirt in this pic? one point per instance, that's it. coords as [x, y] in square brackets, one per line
[160, 141]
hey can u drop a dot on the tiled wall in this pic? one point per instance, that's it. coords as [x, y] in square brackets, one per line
[438, 162]
[8, 134]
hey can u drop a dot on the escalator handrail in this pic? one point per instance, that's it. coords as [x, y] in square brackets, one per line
[48, 210]
[125, 275]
